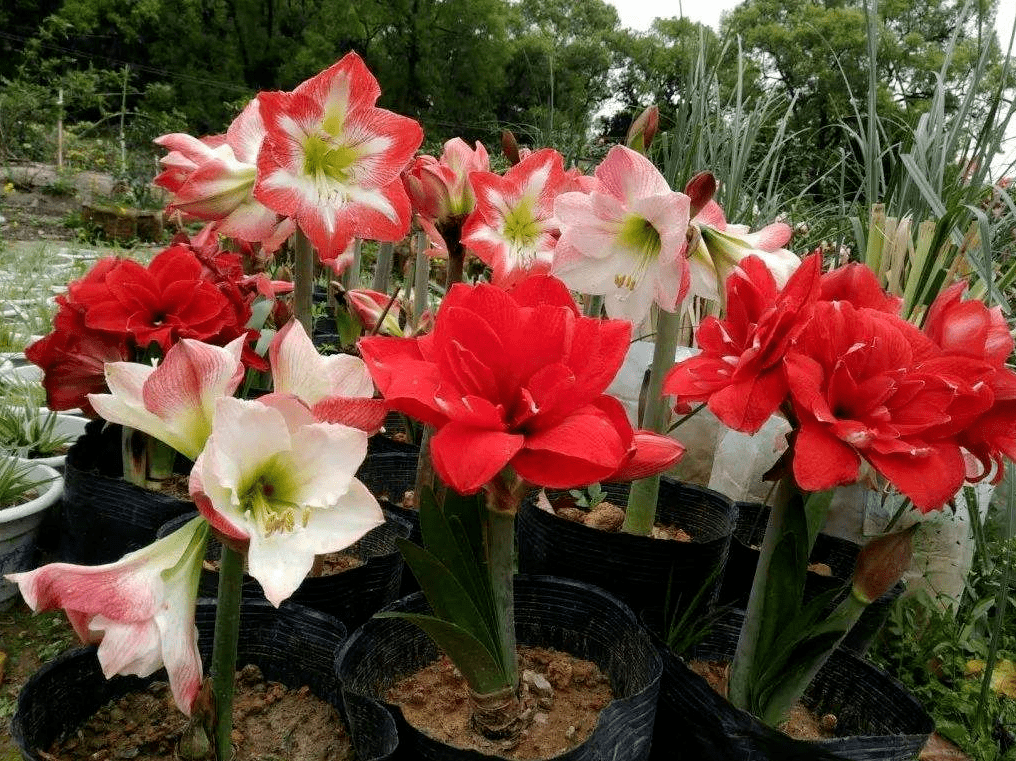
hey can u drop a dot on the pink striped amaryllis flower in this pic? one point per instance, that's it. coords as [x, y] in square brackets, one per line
[440, 191]
[368, 306]
[273, 478]
[337, 389]
[212, 178]
[173, 402]
[721, 246]
[512, 228]
[332, 161]
[739, 371]
[140, 609]
[516, 379]
[625, 240]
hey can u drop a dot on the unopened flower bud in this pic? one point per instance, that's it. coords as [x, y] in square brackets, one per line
[643, 130]
[881, 563]
[510, 146]
[700, 190]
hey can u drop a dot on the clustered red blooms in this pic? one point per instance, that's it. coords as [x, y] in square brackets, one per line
[926, 408]
[516, 378]
[120, 309]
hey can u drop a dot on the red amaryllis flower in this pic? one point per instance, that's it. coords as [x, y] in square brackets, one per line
[162, 303]
[73, 360]
[331, 160]
[860, 390]
[740, 370]
[970, 329]
[512, 379]
[857, 284]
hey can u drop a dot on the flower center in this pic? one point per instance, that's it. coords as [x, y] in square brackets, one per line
[262, 500]
[321, 157]
[639, 236]
[521, 227]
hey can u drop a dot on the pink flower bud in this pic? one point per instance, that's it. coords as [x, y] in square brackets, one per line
[700, 190]
[643, 130]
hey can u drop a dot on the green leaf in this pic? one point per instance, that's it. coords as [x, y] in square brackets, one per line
[453, 547]
[470, 656]
[445, 594]
[815, 509]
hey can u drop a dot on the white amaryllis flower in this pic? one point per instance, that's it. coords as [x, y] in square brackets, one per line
[140, 609]
[173, 402]
[721, 246]
[337, 389]
[272, 476]
[625, 240]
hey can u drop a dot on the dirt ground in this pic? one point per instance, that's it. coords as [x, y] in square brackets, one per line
[26, 642]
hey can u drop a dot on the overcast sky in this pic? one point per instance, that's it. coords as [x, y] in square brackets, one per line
[639, 14]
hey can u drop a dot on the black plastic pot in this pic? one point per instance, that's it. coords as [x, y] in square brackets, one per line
[877, 719]
[566, 615]
[352, 596]
[102, 517]
[382, 441]
[639, 570]
[388, 476]
[291, 644]
[839, 554]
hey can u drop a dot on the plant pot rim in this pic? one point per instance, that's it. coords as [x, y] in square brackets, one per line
[46, 499]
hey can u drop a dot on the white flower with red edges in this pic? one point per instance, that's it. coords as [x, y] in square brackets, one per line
[337, 389]
[273, 477]
[331, 160]
[140, 609]
[625, 240]
[513, 228]
[721, 246]
[173, 402]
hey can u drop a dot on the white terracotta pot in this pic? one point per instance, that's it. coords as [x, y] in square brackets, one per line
[19, 526]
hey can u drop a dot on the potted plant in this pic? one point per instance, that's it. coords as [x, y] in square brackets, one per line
[27, 490]
[512, 383]
[865, 392]
[38, 434]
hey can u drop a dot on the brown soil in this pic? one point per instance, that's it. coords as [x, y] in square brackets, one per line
[608, 517]
[270, 722]
[801, 724]
[434, 700]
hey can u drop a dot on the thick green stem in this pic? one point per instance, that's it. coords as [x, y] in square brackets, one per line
[593, 306]
[641, 512]
[227, 634]
[303, 281]
[500, 536]
[744, 666]
[426, 477]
